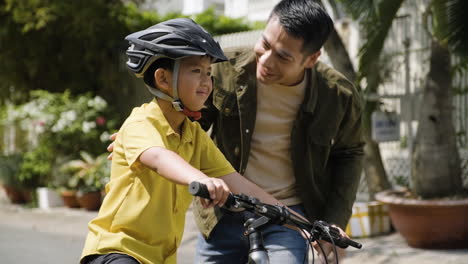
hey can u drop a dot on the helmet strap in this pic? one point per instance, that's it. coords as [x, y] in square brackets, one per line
[159, 94]
[175, 81]
[176, 102]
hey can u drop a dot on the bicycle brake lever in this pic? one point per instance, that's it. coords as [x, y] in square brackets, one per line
[325, 231]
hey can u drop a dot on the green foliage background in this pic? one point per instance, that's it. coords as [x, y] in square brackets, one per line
[58, 45]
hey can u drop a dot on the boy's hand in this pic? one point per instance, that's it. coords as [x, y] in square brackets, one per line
[110, 148]
[218, 189]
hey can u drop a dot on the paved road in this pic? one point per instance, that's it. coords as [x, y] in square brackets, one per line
[19, 245]
[56, 236]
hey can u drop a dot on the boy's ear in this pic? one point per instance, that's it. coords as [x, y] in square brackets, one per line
[311, 59]
[162, 80]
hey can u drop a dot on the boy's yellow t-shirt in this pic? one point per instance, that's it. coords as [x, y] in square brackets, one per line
[143, 214]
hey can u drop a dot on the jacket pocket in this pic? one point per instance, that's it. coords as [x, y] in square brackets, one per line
[225, 102]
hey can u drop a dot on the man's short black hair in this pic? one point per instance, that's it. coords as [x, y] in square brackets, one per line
[165, 63]
[304, 19]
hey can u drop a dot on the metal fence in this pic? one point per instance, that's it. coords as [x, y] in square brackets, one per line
[404, 86]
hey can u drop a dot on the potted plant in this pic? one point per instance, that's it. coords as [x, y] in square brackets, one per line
[434, 212]
[58, 125]
[10, 166]
[34, 174]
[62, 180]
[89, 175]
[436, 175]
[57, 192]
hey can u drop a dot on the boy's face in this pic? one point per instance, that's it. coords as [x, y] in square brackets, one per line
[280, 59]
[195, 81]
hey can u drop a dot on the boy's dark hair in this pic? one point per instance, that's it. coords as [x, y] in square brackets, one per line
[304, 19]
[165, 63]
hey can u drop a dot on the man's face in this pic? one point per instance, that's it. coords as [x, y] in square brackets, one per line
[195, 81]
[280, 59]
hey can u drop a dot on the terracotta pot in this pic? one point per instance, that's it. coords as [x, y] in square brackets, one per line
[431, 224]
[27, 195]
[103, 195]
[17, 195]
[90, 201]
[69, 199]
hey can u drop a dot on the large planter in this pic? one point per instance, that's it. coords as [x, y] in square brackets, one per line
[69, 199]
[431, 224]
[90, 200]
[17, 195]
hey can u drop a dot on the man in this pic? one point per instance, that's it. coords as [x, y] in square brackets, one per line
[288, 123]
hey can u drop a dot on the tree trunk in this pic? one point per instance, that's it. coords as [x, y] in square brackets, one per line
[376, 177]
[374, 170]
[436, 162]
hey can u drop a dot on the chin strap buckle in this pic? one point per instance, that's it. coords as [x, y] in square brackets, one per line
[178, 106]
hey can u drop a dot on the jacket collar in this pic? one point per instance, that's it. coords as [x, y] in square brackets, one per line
[311, 96]
[243, 60]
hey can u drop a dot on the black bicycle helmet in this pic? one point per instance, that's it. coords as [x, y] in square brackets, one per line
[174, 39]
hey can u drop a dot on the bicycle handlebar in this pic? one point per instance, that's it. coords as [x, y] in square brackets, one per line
[319, 230]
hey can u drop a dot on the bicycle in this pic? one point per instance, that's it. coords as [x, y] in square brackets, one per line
[279, 215]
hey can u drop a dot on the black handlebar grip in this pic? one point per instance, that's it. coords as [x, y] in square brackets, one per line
[353, 243]
[337, 241]
[344, 242]
[199, 189]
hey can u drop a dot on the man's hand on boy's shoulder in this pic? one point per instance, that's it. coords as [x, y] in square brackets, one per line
[110, 148]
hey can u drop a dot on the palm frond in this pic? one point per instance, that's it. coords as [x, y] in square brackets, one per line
[451, 25]
[376, 18]
[360, 9]
[378, 26]
[87, 158]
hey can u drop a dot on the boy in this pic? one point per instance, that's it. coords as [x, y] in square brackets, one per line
[159, 151]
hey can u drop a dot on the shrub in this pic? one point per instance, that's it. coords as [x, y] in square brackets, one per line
[58, 125]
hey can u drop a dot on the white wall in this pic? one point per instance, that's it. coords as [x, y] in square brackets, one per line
[163, 6]
[197, 6]
[187, 7]
[253, 10]
[236, 8]
[192, 7]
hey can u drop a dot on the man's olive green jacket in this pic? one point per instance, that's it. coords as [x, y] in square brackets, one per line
[326, 138]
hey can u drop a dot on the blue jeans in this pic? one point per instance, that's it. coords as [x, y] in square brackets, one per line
[227, 243]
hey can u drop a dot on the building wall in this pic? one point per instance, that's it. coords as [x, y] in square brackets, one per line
[187, 7]
[197, 6]
[163, 6]
[253, 10]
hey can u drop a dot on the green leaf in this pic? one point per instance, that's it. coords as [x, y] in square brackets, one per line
[450, 24]
[377, 26]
